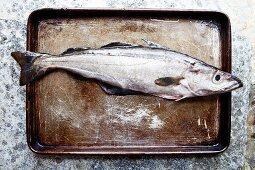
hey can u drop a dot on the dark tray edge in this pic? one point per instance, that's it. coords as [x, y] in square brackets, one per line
[224, 131]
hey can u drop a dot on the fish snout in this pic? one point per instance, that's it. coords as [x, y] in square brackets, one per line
[237, 83]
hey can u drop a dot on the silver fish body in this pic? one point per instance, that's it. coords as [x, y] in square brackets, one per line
[125, 68]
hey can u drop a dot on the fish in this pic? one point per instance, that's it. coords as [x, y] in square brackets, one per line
[125, 69]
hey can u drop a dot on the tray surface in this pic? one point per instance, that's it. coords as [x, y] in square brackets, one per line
[70, 114]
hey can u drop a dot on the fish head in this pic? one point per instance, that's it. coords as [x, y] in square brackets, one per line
[204, 80]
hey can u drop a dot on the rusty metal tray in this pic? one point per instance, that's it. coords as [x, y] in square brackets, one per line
[67, 114]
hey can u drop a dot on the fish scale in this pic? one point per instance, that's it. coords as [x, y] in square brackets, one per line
[123, 69]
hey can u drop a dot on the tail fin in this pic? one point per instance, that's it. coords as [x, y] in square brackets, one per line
[28, 70]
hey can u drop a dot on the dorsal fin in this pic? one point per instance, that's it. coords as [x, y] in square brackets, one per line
[154, 45]
[73, 50]
[118, 44]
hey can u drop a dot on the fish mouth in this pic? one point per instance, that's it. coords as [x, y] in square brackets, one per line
[238, 83]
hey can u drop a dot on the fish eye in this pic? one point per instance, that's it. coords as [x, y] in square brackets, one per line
[217, 77]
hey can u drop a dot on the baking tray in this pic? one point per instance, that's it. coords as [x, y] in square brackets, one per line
[68, 114]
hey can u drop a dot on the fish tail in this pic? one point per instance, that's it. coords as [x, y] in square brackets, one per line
[29, 71]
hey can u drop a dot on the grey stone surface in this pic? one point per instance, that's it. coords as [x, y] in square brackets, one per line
[13, 148]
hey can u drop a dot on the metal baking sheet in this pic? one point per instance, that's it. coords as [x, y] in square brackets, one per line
[68, 114]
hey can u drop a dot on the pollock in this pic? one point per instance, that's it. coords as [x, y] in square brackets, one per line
[123, 69]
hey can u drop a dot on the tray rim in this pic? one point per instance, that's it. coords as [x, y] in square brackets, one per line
[36, 147]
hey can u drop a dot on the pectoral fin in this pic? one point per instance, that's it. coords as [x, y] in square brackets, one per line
[166, 81]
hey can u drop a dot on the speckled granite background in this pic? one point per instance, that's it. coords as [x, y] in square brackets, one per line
[13, 148]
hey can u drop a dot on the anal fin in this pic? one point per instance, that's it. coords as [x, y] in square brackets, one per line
[113, 90]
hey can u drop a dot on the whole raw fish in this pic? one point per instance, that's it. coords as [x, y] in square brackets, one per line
[122, 69]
